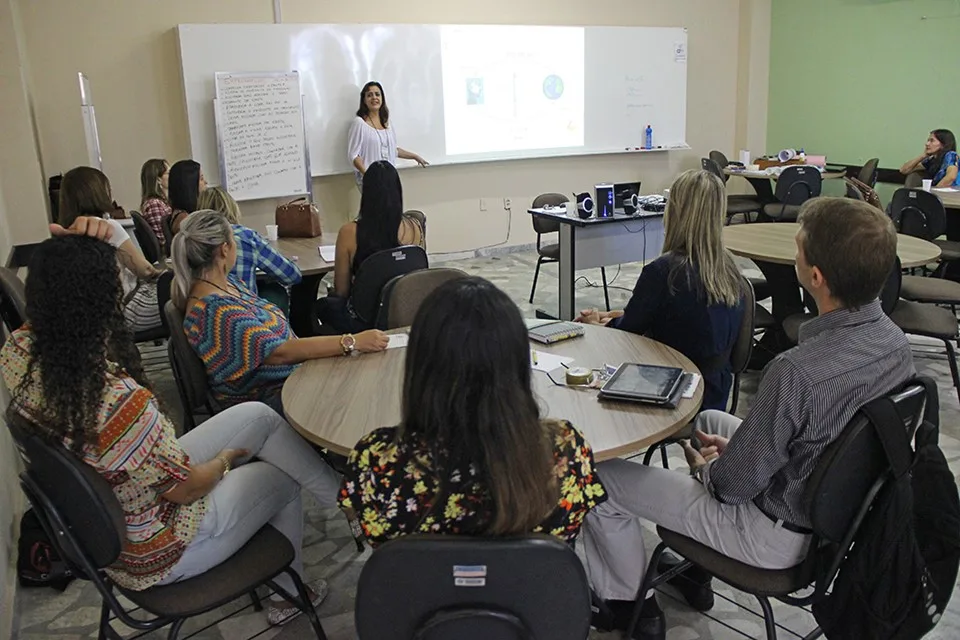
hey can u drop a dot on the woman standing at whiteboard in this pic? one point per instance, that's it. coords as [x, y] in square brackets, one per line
[371, 138]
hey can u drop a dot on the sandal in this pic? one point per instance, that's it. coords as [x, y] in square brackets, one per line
[280, 613]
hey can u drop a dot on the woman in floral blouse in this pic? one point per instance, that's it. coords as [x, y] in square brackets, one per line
[472, 455]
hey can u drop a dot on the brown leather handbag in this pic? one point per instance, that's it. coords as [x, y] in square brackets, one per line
[298, 219]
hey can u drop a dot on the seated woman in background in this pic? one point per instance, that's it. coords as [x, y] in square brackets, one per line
[939, 161]
[472, 455]
[76, 377]
[253, 251]
[381, 225]
[244, 341]
[186, 182]
[691, 297]
[154, 206]
[85, 191]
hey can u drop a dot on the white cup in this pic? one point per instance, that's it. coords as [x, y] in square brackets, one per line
[273, 232]
[744, 157]
[927, 185]
[666, 194]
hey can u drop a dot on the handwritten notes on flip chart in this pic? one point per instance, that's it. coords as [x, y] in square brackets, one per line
[263, 151]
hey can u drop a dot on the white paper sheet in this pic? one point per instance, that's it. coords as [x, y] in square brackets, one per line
[543, 361]
[328, 252]
[691, 386]
[398, 340]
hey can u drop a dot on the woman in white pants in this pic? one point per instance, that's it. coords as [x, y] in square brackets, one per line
[188, 503]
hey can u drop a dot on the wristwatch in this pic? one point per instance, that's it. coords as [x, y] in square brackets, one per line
[348, 343]
[226, 465]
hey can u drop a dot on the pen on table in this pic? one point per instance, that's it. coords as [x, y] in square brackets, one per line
[534, 354]
[565, 365]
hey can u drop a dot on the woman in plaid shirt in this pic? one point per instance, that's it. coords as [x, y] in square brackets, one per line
[253, 250]
[154, 206]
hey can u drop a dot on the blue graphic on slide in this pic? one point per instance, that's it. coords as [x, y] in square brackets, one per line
[553, 87]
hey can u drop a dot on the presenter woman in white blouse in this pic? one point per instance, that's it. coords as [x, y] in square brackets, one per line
[371, 138]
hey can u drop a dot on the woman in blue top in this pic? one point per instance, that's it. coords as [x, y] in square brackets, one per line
[691, 297]
[939, 161]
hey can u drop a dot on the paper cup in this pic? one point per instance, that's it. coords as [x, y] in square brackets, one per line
[787, 155]
[666, 194]
[745, 157]
[272, 232]
[927, 185]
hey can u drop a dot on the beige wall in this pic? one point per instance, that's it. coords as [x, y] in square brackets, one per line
[128, 49]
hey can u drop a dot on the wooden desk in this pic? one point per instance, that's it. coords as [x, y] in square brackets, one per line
[333, 402]
[774, 242]
[951, 199]
[308, 256]
[763, 175]
[303, 296]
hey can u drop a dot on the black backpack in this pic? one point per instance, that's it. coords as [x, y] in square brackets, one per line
[38, 563]
[896, 581]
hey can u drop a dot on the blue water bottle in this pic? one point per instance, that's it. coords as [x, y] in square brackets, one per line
[648, 137]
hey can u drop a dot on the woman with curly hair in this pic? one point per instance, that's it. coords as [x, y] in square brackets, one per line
[77, 378]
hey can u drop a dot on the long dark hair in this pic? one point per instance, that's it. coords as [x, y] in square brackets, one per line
[363, 111]
[467, 395]
[150, 174]
[183, 185]
[84, 191]
[381, 211]
[73, 309]
[948, 142]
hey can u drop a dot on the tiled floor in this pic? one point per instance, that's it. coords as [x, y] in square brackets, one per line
[329, 552]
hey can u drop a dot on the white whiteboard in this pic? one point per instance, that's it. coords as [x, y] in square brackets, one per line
[262, 145]
[632, 76]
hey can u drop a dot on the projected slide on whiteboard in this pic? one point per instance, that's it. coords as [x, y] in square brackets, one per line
[509, 88]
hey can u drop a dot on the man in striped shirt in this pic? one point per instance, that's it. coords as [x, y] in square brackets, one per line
[744, 496]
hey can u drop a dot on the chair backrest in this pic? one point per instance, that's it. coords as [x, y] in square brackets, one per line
[421, 218]
[918, 213]
[146, 238]
[852, 470]
[403, 295]
[188, 369]
[868, 173]
[13, 299]
[797, 184]
[743, 345]
[66, 490]
[164, 284]
[890, 294]
[438, 587]
[375, 272]
[914, 180]
[853, 192]
[710, 165]
[167, 226]
[721, 160]
[546, 225]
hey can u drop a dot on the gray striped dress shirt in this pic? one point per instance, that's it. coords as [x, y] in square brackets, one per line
[806, 397]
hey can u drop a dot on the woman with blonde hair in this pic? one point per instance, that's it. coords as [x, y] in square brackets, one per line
[691, 297]
[154, 206]
[253, 251]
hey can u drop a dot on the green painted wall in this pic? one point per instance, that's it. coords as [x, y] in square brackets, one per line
[856, 79]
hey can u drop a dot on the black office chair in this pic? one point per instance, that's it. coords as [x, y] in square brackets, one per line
[439, 587]
[86, 525]
[146, 238]
[13, 299]
[403, 295]
[188, 372]
[161, 332]
[368, 285]
[844, 484]
[921, 214]
[551, 252]
[736, 204]
[868, 172]
[796, 185]
[167, 226]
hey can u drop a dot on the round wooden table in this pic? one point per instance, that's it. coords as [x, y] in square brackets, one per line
[333, 402]
[775, 242]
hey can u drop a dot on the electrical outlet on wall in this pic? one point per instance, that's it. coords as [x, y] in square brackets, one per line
[483, 204]
[506, 203]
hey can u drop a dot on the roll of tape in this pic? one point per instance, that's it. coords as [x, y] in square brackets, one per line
[579, 375]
